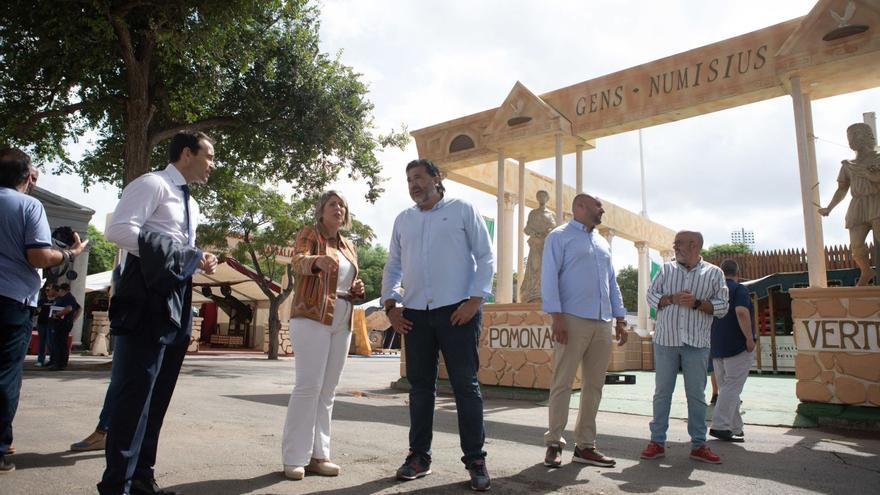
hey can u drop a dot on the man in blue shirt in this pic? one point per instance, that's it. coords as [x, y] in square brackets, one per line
[732, 351]
[440, 268]
[579, 291]
[26, 244]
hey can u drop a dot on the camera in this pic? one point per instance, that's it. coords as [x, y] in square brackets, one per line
[62, 238]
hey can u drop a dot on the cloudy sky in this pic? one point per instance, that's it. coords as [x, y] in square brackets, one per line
[428, 62]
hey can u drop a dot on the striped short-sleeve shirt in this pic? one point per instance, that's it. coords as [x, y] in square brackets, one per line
[676, 325]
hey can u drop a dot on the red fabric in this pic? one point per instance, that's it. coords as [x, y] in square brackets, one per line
[208, 312]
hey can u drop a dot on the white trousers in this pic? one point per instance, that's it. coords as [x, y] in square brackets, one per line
[320, 352]
[730, 373]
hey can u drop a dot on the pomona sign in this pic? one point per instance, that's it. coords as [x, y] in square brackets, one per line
[537, 337]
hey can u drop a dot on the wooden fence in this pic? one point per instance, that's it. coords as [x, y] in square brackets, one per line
[762, 263]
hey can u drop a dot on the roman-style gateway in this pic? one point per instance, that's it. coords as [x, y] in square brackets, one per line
[834, 49]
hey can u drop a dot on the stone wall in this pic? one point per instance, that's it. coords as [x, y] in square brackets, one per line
[285, 348]
[193, 346]
[837, 331]
[99, 338]
[533, 367]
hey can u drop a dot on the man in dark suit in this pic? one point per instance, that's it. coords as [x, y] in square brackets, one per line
[150, 313]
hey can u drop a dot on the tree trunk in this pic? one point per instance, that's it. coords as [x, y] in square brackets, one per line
[274, 327]
[137, 151]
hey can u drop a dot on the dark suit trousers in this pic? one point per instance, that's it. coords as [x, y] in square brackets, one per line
[147, 375]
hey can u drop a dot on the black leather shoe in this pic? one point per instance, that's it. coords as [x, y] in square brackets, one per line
[148, 487]
[726, 435]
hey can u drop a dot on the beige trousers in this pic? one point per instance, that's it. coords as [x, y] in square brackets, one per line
[589, 346]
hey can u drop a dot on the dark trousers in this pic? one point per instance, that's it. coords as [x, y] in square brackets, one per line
[142, 382]
[432, 332]
[112, 391]
[60, 350]
[45, 345]
[15, 334]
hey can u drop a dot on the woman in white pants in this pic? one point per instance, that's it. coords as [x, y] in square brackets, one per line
[325, 269]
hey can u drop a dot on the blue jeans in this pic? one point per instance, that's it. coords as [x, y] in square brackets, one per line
[693, 362]
[45, 344]
[433, 332]
[15, 334]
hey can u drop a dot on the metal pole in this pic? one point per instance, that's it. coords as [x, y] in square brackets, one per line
[644, 212]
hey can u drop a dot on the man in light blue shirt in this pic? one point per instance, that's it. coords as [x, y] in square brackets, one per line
[579, 291]
[440, 270]
[25, 246]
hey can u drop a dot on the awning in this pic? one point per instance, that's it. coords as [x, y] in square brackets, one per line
[237, 277]
[98, 281]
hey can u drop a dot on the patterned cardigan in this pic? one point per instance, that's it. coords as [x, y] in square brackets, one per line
[314, 293]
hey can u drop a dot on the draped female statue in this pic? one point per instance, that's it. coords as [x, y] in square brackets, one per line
[541, 222]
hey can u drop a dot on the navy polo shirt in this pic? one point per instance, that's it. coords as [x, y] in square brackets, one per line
[727, 338]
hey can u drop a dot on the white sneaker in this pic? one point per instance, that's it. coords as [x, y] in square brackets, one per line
[322, 467]
[294, 472]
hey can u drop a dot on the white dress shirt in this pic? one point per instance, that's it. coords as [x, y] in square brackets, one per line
[153, 203]
[438, 257]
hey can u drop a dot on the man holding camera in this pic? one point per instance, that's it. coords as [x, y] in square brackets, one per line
[25, 246]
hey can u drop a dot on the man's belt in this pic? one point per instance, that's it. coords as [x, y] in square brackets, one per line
[345, 296]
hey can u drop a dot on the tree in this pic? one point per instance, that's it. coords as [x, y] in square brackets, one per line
[265, 223]
[102, 252]
[717, 249]
[628, 282]
[371, 261]
[135, 73]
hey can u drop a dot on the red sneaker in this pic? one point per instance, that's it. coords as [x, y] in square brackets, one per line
[653, 451]
[704, 454]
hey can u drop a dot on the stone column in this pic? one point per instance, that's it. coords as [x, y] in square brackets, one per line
[505, 261]
[644, 280]
[521, 225]
[560, 208]
[608, 234]
[809, 180]
[78, 289]
[503, 287]
[579, 168]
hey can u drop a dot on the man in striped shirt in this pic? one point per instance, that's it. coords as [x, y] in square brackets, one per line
[687, 294]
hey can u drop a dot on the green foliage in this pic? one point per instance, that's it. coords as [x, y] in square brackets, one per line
[259, 216]
[250, 73]
[360, 234]
[371, 261]
[628, 281]
[717, 249]
[101, 252]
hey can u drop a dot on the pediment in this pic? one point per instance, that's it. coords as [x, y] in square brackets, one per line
[524, 115]
[50, 199]
[832, 23]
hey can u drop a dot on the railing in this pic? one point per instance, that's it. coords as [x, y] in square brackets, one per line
[762, 263]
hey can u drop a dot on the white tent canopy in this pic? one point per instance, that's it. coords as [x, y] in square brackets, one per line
[98, 281]
[243, 287]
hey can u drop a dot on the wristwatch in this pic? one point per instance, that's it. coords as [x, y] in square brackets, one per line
[697, 304]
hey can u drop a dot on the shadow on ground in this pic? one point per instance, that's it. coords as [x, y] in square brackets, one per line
[676, 470]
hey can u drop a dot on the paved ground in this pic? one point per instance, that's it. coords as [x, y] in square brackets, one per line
[223, 433]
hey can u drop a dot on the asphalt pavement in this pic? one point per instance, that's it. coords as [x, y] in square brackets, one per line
[222, 436]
